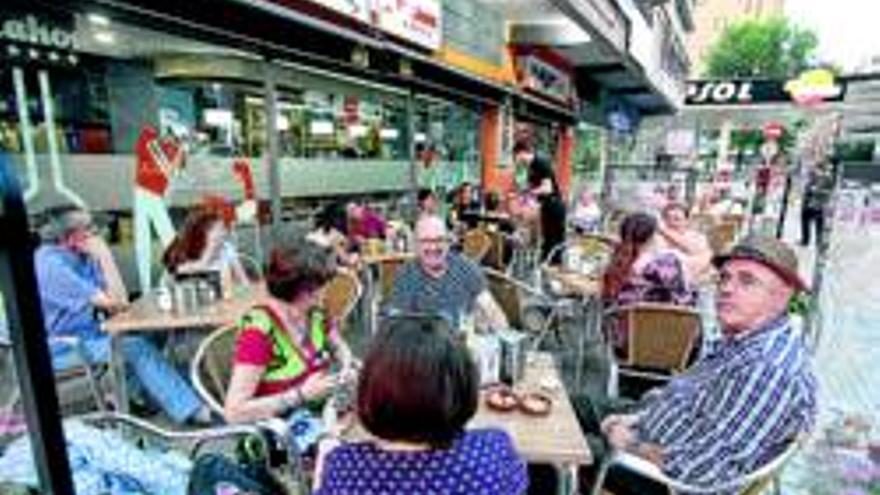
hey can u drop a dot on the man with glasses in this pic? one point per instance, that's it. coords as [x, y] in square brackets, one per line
[744, 401]
[441, 282]
[77, 278]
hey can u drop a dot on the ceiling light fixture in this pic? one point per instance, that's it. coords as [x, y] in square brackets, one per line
[105, 37]
[98, 20]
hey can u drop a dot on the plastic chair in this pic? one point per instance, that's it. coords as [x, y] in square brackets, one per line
[661, 338]
[749, 484]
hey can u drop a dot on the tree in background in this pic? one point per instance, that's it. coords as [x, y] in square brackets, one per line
[772, 48]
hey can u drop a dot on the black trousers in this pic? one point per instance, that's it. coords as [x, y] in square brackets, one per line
[812, 217]
[619, 481]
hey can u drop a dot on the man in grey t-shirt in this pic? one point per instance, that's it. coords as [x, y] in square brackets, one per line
[441, 282]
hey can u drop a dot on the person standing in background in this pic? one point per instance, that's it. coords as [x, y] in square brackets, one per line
[542, 185]
[816, 198]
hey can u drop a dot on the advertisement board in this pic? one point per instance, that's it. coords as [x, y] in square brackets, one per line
[356, 9]
[416, 21]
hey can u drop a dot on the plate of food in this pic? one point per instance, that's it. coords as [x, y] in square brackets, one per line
[502, 399]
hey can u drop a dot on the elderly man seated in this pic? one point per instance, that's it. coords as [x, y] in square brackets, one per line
[77, 277]
[739, 406]
[443, 282]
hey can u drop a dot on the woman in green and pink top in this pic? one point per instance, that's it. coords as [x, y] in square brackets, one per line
[285, 345]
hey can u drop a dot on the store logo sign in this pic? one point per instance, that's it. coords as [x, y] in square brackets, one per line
[32, 30]
[545, 79]
[719, 92]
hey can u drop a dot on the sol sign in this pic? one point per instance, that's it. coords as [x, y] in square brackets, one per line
[718, 92]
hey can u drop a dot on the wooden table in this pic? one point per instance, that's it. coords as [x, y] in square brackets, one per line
[144, 315]
[556, 439]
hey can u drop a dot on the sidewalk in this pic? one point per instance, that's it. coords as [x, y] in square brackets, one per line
[846, 361]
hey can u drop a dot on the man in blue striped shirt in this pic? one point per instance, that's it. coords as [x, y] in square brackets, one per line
[751, 394]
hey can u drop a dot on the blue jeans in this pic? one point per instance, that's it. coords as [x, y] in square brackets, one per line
[154, 374]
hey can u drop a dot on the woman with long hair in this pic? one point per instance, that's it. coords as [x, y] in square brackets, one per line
[643, 269]
[203, 245]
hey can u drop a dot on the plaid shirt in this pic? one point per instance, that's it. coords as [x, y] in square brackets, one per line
[734, 410]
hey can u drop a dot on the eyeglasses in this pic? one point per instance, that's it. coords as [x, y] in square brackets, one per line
[433, 241]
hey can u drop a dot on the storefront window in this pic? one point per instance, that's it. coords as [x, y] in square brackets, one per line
[446, 143]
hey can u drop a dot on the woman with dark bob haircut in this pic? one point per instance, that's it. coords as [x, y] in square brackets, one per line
[417, 390]
[285, 345]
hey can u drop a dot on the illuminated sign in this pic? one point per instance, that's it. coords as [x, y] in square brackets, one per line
[762, 91]
[544, 78]
[356, 9]
[814, 86]
[417, 21]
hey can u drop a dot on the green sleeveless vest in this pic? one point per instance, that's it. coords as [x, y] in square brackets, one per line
[287, 361]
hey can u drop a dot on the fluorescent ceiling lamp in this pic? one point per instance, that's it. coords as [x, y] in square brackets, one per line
[218, 117]
[420, 137]
[389, 134]
[105, 37]
[321, 127]
[357, 130]
[98, 20]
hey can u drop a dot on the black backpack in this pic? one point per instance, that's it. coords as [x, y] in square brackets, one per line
[214, 474]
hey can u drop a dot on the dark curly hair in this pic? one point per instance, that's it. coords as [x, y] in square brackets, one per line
[296, 266]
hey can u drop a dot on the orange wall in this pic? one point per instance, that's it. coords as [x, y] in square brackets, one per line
[493, 177]
[564, 156]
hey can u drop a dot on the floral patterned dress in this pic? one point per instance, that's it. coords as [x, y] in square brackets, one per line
[660, 280]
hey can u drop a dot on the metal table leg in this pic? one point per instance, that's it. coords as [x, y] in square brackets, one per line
[117, 367]
[567, 479]
[579, 360]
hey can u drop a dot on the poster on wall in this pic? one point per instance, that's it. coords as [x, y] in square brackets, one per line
[417, 21]
[356, 9]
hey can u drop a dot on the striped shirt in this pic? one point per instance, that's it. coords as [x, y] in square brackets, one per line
[450, 295]
[734, 410]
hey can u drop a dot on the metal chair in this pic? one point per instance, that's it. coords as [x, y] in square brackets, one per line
[210, 373]
[524, 306]
[84, 368]
[661, 338]
[475, 244]
[597, 248]
[749, 484]
[722, 235]
[341, 294]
